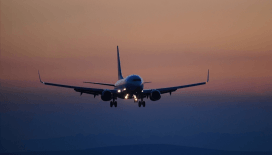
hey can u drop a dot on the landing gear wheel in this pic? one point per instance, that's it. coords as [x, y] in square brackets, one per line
[143, 103]
[111, 103]
[115, 104]
[139, 103]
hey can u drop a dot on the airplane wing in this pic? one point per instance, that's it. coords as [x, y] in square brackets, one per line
[172, 89]
[94, 91]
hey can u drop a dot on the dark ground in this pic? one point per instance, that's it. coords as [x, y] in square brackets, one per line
[147, 149]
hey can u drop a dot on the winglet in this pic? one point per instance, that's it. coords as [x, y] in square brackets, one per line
[208, 76]
[40, 77]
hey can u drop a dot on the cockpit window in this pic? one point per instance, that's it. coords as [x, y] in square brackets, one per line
[136, 80]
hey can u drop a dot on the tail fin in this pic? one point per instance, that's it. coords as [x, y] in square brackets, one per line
[119, 65]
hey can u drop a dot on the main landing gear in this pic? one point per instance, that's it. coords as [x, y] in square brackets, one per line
[113, 103]
[141, 103]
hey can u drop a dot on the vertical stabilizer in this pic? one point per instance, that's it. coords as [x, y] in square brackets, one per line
[119, 65]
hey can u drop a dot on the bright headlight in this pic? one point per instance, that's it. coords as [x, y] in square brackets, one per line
[126, 97]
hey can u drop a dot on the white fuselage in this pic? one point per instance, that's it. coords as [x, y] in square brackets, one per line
[129, 86]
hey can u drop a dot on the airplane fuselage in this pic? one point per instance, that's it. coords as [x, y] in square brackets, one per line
[129, 86]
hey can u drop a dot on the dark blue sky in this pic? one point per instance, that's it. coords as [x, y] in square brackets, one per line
[226, 122]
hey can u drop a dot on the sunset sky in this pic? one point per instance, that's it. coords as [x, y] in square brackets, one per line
[167, 42]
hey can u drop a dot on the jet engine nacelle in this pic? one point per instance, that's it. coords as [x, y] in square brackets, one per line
[106, 95]
[155, 95]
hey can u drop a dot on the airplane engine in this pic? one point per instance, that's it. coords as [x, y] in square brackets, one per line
[106, 95]
[155, 95]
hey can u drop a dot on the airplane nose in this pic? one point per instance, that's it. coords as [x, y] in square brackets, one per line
[137, 88]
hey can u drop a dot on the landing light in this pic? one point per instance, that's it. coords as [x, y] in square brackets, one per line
[126, 97]
[124, 89]
[119, 91]
[135, 98]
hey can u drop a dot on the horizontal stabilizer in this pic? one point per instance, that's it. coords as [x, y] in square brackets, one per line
[146, 82]
[107, 84]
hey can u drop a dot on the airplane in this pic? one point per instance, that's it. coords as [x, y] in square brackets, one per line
[130, 87]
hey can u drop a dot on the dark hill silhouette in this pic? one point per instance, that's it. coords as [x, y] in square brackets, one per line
[145, 149]
[217, 141]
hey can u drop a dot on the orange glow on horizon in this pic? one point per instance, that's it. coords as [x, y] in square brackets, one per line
[168, 43]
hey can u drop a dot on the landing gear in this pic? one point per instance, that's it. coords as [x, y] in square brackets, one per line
[113, 103]
[141, 103]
